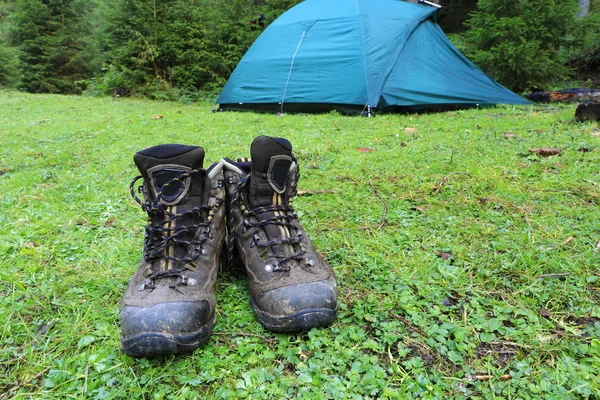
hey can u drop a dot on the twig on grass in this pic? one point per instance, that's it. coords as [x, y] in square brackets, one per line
[41, 333]
[556, 275]
[486, 377]
[385, 206]
[510, 344]
[269, 341]
[569, 239]
[313, 192]
[20, 385]
[444, 179]
[408, 325]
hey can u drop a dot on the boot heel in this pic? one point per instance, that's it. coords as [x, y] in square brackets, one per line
[230, 262]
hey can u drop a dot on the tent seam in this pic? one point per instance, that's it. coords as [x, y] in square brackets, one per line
[389, 68]
[291, 68]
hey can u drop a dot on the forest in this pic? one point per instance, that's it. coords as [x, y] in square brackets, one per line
[187, 49]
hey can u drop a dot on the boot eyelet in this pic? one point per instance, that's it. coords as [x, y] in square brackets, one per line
[147, 283]
[188, 281]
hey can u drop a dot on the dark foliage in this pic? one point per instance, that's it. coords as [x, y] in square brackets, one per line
[525, 44]
[174, 48]
[51, 40]
[184, 49]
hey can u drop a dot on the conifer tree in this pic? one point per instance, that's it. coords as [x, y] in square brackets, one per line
[523, 44]
[51, 37]
[160, 46]
[9, 55]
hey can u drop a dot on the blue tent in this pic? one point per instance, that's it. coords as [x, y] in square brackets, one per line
[357, 56]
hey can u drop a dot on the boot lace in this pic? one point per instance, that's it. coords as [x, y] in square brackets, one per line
[280, 215]
[160, 236]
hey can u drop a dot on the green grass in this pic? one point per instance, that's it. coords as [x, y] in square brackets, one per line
[468, 266]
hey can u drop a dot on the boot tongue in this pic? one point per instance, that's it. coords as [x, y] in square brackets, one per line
[160, 164]
[271, 161]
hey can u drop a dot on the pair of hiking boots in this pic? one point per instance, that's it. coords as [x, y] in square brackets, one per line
[236, 212]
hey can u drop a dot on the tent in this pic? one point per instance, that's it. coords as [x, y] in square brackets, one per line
[357, 56]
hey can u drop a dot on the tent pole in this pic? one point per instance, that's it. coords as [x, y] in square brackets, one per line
[429, 3]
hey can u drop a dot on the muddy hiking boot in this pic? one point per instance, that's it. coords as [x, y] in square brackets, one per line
[291, 287]
[169, 304]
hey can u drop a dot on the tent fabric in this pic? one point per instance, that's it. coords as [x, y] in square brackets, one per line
[357, 56]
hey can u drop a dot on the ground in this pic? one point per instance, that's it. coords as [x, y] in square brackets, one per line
[467, 258]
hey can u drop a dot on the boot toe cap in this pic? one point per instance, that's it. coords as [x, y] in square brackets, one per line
[165, 328]
[297, 307]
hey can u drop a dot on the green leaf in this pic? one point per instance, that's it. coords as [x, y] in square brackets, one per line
[494, 324]
[455, 357]
[304, 378]
[487, 337]
[85, 341]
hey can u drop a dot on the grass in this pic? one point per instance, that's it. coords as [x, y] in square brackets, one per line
[468, 266]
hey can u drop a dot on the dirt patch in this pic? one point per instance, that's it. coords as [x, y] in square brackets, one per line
[502, 352]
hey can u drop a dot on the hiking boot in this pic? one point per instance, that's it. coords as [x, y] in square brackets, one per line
[291, 287]
[169, 304]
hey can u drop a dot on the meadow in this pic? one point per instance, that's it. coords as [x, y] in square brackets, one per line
[468, 262]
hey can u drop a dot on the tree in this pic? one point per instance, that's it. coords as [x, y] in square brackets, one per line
[454, 13]
[172, 46]
[523, 43]
[9, 56]
[51, 38]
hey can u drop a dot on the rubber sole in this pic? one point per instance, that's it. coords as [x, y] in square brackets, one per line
[156, 344]
[297, 322]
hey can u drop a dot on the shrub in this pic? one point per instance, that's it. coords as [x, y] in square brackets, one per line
[522, 43]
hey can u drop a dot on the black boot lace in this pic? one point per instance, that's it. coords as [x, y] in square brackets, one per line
[160, 236]
[279, 215]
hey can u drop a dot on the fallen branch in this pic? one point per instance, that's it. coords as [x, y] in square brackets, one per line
[565, 95]
[385, 206]
[444, 179]
[20, 385]
[408, 325]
